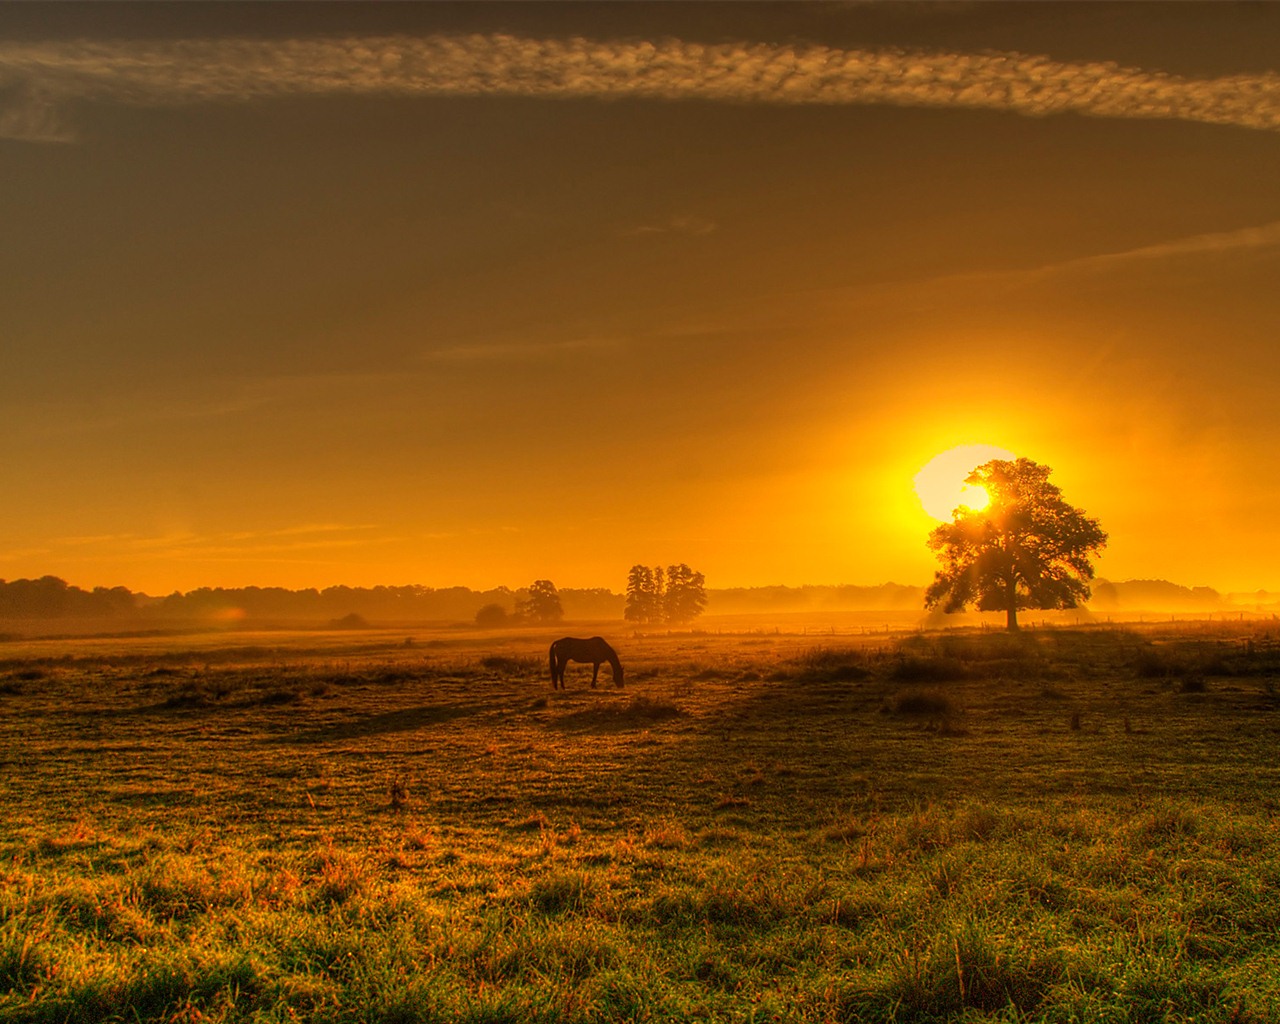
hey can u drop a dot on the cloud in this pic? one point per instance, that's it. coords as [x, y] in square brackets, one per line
[36, 76]
[514, 351]
[832, 307]
[184, 544]
[28, 113]
[985, 283]
[1264, 236]
[307, 529]
[677, 225]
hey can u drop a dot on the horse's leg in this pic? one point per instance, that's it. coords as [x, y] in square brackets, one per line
[595, 673]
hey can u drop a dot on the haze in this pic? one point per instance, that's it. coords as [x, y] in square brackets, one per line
[299, 295]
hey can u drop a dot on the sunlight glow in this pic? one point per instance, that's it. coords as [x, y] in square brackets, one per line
[940, 482]
[974, 497]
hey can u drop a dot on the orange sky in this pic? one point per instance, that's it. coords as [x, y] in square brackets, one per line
[301, 295]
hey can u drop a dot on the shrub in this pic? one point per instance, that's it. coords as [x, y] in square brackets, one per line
[922, 702]
[1168, 662]
[832, 665]
[192, 697]
[492, 616]
[651, 709]
[281, 696]
[913, 669]
[31, 675]
[509, 665]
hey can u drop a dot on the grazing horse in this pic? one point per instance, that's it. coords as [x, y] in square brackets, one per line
[572, 648]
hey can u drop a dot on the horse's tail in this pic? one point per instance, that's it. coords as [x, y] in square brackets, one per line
[551, 661]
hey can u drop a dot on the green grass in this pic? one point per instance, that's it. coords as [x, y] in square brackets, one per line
[911, 829]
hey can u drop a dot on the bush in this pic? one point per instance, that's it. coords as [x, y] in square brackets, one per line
[511, 666]
[930, 670]
[652, 709]
[1170, 663]
[832, 665]
[919, 702]
[492, 616]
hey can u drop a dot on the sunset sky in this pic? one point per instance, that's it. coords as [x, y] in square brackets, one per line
[300, 295]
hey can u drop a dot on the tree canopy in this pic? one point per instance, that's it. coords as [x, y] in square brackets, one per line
[1028, 548]
[645, 590]
[542, 604]
[686, 595]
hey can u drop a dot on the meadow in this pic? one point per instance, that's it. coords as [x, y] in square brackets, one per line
[1068, 824]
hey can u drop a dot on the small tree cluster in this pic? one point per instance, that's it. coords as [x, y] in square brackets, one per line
[675, 596]
[492, 616]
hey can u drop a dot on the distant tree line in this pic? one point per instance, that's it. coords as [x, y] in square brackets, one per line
[50, 597]
[674, 596]
[644, 604]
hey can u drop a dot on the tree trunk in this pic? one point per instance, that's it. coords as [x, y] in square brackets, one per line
[1011, 607]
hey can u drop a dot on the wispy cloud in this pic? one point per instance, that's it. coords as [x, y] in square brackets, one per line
[283, 543]
[35, 77]
[1264, 236]
[68, 416]
[833, 306]
[677, 225]
[1206, 245]
[514, 351]
[304, 530]
[26, 112]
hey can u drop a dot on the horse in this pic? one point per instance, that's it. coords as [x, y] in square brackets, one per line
[594, 650]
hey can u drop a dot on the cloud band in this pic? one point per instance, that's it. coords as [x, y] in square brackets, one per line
[35, 76]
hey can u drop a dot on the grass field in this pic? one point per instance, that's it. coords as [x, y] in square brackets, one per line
[1064, 825]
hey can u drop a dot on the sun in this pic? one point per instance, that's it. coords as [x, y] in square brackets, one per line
[940, 482]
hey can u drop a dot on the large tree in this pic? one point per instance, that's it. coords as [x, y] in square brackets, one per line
[542, 603]
[686, 594]
[644, 595]
[1027, 549]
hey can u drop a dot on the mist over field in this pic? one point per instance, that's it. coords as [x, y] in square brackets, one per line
[49, 604]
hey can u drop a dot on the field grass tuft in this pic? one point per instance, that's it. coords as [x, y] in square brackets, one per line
[923, 702]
